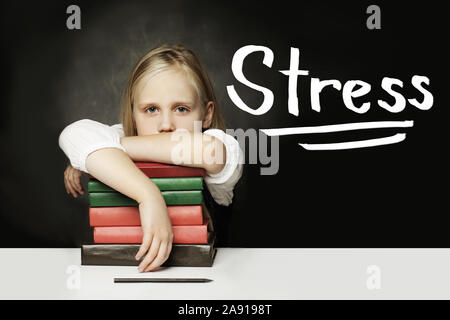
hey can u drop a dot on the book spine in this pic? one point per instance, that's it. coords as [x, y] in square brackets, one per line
[183, 255]
[116, 199]
[129, 216]
[160, 170]
[181, 234]
[164, 184]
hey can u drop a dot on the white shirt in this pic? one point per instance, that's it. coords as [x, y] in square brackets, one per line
[83, 137]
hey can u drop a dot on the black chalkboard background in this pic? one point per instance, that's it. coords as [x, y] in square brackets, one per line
[386, 196]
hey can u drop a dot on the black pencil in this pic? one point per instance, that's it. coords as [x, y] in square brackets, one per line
[118, 280]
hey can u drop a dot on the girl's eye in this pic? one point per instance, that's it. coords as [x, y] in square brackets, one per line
[182, 109]
[151, 109]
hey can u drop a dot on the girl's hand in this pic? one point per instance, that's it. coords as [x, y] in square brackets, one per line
[72, 181]
[157, 235]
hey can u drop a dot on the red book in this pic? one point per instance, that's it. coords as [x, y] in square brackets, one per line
[197, 234]
[161, 170]
[129, 216]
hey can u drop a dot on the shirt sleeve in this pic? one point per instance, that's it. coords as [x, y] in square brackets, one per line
[221, 184]
[85, 136]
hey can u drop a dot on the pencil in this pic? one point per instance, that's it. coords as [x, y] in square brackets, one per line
[121, 280]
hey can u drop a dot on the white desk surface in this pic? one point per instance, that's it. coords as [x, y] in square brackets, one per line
[237, 273]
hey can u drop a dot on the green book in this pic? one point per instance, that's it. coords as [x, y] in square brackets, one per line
[117, 199]
[164, 184]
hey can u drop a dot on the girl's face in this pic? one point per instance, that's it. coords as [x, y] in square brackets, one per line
[168, 101]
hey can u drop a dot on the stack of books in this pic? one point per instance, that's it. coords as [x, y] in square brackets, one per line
[117, 226]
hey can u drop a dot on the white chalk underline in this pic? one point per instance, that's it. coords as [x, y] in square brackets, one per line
[338, 127]
[355, 144]
[345, 127]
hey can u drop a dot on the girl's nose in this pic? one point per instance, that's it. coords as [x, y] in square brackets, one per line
[166, 124]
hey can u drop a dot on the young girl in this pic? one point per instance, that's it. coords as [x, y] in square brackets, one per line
[168, 92]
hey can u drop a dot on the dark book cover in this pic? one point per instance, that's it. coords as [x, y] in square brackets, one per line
[182, 255]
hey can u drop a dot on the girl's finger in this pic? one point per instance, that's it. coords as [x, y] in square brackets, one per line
[160, 258]
[77, 177]
[146, 242]
[65, 182]
[69, 185]
[73, 182]
[72, 191]
[168, 250]
[154, 248]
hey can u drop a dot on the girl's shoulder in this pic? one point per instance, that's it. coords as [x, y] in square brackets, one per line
[119, 128]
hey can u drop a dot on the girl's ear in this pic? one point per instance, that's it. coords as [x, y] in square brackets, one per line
[209, 112]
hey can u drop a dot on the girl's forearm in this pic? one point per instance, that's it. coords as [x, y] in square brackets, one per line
[114, 167]
[180, 148]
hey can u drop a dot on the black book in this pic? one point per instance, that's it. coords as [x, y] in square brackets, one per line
[181, 255]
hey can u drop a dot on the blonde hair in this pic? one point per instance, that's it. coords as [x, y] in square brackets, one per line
[158, 59]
